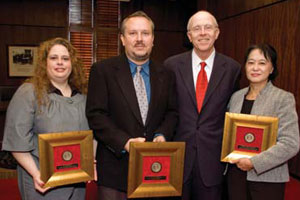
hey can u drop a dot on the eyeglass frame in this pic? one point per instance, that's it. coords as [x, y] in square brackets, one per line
[206, 27]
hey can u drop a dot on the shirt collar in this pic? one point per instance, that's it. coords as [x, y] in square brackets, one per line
[209, 61]
[145, 67]
[53, 89]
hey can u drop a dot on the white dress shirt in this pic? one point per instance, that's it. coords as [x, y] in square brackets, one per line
[197, 67]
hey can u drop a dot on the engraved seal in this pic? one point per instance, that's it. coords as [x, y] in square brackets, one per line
[156, 167]
[249, 137]
[67, 155]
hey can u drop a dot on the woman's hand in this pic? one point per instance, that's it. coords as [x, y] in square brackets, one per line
[95, 172]
[38, 183]
[244, 164]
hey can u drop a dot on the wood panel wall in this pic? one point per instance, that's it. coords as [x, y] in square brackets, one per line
[28, 22]
[229, 8]
[274, 22]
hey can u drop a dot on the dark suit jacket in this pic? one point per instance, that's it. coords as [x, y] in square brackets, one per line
[113, 114]
[203, 132]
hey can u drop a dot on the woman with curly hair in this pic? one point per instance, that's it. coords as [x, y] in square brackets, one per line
[53, 100]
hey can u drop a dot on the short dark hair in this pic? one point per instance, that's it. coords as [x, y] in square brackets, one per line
[136, 14]
[269, 53]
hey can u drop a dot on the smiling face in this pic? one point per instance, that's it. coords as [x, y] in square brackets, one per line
[202, 32]
[138, 39]
[59, 65]
[258, 67]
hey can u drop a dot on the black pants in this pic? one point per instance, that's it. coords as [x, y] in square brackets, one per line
[241, 189]
[106, 193]
[195, 189]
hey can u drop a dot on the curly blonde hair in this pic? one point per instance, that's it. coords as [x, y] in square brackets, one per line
[41, 81]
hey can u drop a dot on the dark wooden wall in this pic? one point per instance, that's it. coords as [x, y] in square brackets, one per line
[26, 22]
[276, 22]
[230, 8]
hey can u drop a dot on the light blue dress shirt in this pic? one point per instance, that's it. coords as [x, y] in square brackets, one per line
[145, 72]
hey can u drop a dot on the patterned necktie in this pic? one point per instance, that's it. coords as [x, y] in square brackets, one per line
[141, 94]
[201, 86]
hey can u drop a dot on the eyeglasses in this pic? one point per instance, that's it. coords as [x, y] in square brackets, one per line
[206, 28]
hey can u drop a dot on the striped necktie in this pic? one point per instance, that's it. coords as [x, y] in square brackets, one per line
[141, 93]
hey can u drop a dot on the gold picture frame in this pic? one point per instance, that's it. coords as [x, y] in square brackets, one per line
[66, 157]
[22, 60]
[247, 135]
[155, 169]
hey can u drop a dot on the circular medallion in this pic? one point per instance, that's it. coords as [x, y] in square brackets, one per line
[67, 155]
[249, 137]
[156, 167]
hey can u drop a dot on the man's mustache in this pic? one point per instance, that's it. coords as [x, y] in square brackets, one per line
[139, 44]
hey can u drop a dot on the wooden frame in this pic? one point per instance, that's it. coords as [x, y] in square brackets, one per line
[66, 157]
[155, 169]
[22, 60]
[247, 135]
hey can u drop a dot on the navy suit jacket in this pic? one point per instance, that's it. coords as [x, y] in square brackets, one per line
[113, 114]
[203, 132]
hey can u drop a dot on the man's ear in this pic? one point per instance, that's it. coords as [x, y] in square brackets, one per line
[122, 39]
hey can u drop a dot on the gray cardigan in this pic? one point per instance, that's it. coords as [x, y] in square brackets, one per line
[271, 165]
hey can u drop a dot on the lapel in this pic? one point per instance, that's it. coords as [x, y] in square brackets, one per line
[156, 82]
[216, 77]
[125, 81]
[186, 72]
[260, 107]
[236, 103]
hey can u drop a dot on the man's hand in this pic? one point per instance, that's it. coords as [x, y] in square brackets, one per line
[138, 139]
[244, 164]
[159, 138]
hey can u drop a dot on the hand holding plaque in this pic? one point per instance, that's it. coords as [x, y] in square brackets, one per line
[247, 135]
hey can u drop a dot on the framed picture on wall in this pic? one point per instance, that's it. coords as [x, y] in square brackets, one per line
[21, 60]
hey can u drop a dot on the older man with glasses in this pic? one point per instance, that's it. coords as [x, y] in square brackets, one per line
[205, 81]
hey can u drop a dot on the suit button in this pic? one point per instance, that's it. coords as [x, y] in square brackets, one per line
[70, 101]
[198, 128]
[144, 134]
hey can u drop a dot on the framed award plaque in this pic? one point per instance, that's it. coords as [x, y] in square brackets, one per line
[247, 135]
[66, 157]
[155, 169]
